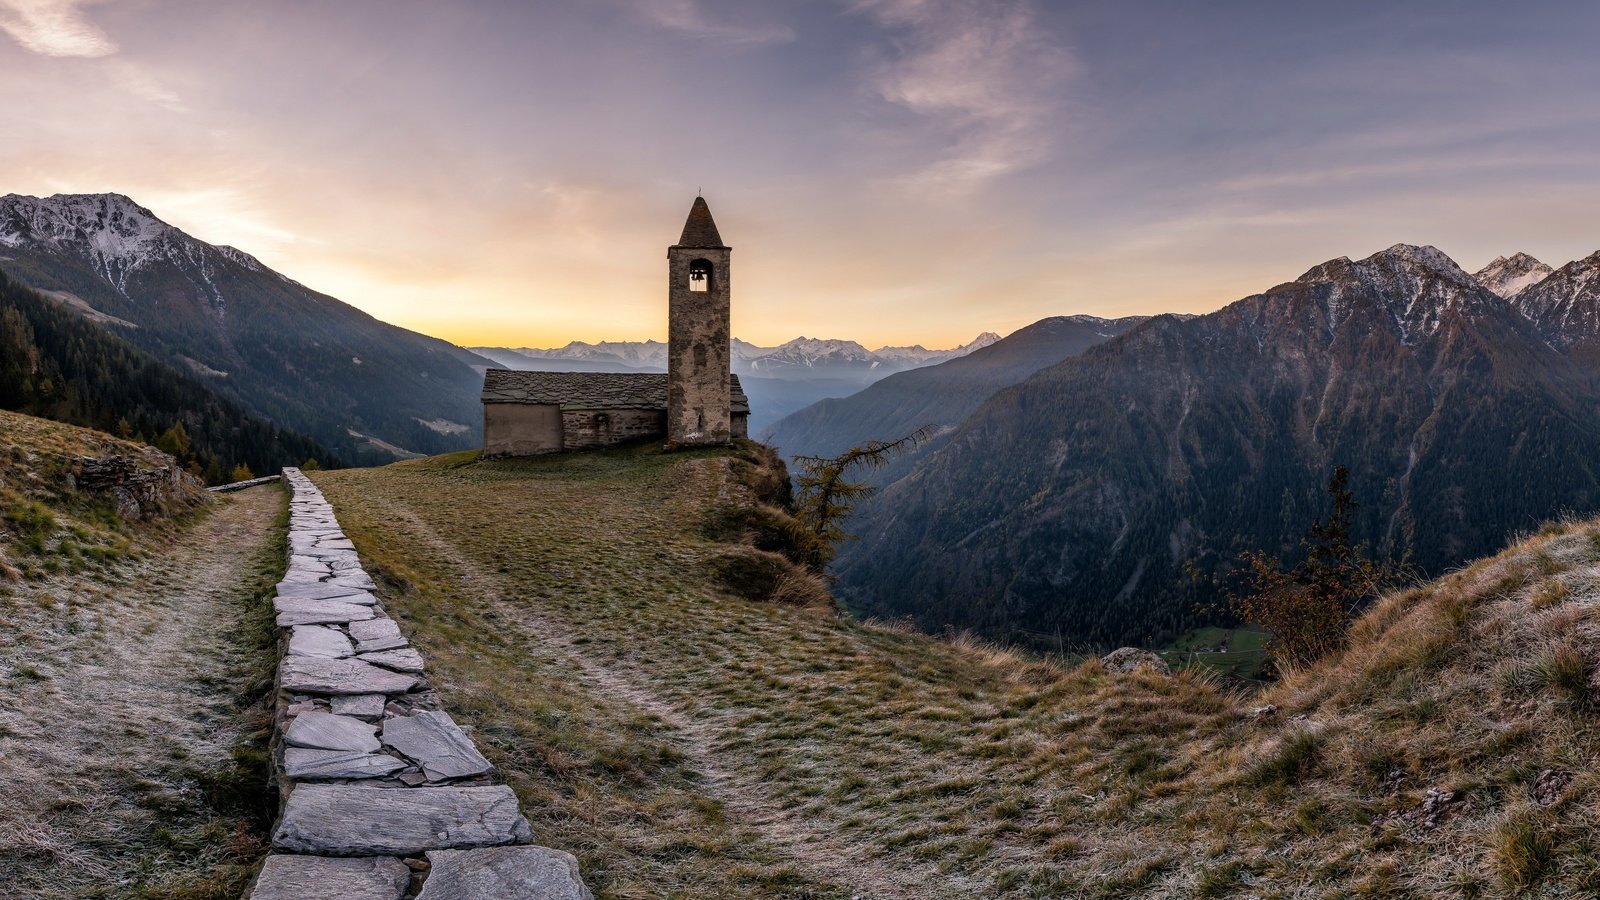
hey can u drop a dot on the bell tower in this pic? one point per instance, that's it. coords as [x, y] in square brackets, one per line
[699, 402]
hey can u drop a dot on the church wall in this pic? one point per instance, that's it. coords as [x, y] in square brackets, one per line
[741, 425]
[587, 429]
[521, 429]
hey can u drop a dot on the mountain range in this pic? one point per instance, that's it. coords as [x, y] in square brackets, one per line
[369, 391]
[1068, 507]
[937, 397]
[779, 380]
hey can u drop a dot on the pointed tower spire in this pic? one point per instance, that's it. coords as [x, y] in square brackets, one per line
[699, 231]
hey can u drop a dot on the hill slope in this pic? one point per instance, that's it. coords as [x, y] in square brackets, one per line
[685, 742]
[57, 364]
[136, 652]
[1068, 506]
[296, 357]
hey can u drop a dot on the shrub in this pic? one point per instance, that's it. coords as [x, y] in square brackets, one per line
[1291, 760]
[1524, 847]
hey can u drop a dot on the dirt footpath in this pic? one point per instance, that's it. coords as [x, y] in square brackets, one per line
[130, 730]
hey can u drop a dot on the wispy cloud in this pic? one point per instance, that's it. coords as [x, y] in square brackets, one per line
[54, 28]
[139, 82]
[689, 17]
[982, 71]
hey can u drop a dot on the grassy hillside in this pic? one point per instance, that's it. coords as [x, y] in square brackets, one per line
[136, 658]
[48, 525]
[687, 743]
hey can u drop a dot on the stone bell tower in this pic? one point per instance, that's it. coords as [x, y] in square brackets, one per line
[699, 402]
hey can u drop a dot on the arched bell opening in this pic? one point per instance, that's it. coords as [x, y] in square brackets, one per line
[701, 275]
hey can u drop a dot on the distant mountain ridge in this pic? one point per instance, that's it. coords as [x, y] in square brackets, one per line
[1068, 505]
[802, 352]
[296, 357]
[779, 380]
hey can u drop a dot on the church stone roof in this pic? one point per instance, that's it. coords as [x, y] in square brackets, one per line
[589, 390]
[700, 232]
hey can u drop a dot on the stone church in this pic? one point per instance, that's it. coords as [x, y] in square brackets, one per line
[698, 401]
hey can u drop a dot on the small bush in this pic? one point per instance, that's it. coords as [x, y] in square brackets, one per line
[1524, 847]
[1563, 671]
[1293, 759]
[752, 574]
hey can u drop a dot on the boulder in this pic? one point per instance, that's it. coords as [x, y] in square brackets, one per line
[1127, 659]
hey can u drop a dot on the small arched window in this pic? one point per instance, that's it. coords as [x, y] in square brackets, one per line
[700, 275]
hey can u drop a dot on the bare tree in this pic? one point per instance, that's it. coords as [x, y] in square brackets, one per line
[826, 498]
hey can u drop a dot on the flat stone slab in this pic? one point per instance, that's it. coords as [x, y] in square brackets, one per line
[301, 762]
[357, 820]
[361, 706]
[376, 634]
[317, 590]
[436, 743]
[313, 675]
[355, 579]
[406, 660]
[326, 731]
[322, 878]
[492, 873]
[316, 640]
[314, 612]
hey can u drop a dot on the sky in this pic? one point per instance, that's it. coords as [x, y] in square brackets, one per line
[888, 171]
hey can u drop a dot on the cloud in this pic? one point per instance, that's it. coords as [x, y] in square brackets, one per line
[981, 71]
[689, 17]
[54, 28]
[137, 81]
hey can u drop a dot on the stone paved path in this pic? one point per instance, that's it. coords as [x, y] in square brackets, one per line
[369, 766]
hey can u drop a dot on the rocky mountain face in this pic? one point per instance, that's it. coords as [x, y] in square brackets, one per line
[297, 357]
[1068, 506]
[941, 396]
[1509, 276]
[1565, 307]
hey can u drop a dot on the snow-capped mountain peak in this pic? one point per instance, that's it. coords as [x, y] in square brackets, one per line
[1417, 288]
[117, 237]
[1509, 276]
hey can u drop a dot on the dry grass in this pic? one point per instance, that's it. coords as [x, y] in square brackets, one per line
[132, 718]
[684, 742]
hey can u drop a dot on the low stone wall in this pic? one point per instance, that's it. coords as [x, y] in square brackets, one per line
[241, 485]
[383, 796]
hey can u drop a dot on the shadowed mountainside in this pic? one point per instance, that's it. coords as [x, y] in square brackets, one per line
[298, 358]
[1067, 507]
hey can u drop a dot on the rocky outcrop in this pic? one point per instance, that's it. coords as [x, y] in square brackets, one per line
[136, 489]
[372, 774]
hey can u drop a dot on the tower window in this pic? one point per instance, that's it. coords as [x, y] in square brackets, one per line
[700, 275]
